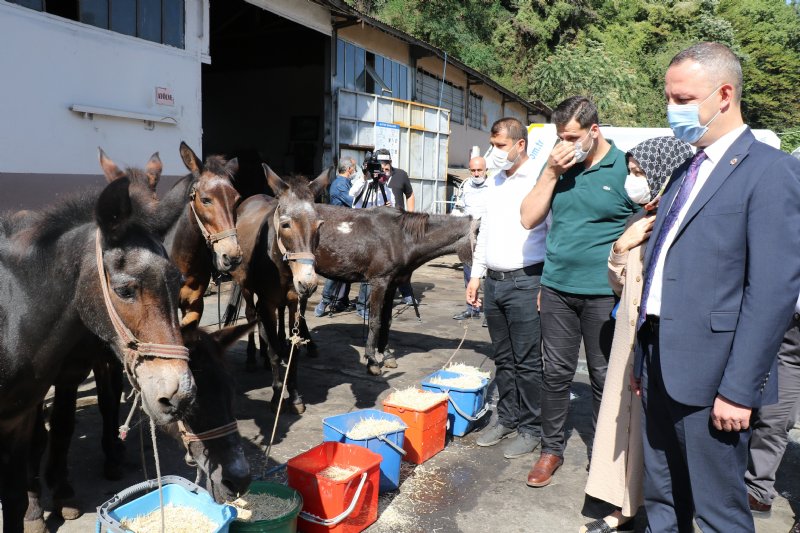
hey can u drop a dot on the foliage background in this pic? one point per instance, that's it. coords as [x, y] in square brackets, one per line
[615, 51]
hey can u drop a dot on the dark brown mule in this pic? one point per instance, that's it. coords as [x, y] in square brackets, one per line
[384, 246]
[88, 265]
[208, 430]
[208, 223]
[278, 237]
[200, 209]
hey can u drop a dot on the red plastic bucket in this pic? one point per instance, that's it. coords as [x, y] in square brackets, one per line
[341, 506]
[426, 431]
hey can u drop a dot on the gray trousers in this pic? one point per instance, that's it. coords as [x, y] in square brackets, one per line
[771, 423]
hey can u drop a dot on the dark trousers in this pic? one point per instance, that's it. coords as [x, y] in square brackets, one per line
[566, 318]
[337, 292]
[691, 470]
[510, 309]
[769, 423]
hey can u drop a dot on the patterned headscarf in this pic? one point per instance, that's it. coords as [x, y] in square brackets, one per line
[658, 158]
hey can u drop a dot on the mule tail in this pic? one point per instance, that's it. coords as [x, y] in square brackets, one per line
[231, 314]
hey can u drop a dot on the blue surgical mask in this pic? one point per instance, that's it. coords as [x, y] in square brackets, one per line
[685, 120]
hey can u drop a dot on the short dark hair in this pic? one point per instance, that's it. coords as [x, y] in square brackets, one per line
[578, 108]
[718, 60]
[512, 127]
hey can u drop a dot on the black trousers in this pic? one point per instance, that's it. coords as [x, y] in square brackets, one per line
[510, 309]
[691, 470]
[566, 319]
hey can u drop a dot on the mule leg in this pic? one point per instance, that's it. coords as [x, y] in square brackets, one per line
[251, 315]
[389, 360]
[376, 305]
[191, 296]
[109, 383]
[62, 426]
[295, 404]
[14, 454]
[34, 516]
[268, 328]
[311, 348]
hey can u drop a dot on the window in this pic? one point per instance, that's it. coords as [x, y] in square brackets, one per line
[475, 114]
[160, 21]
[432, 90]
[372, 73]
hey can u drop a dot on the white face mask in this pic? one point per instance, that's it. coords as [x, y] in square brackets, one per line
[497, 158]
[478, 180]
[580, 154]
[638, 189]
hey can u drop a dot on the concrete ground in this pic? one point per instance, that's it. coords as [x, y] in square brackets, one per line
[464, 488]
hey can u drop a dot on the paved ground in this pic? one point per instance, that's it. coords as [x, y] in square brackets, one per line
[463, 489]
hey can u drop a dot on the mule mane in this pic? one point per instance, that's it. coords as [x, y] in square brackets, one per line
[215, 164]
[414, 224]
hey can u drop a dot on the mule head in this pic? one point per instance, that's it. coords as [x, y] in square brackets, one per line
[213, 199]
[143, 183]
[296, 226]
[209, 431]
[131, 295]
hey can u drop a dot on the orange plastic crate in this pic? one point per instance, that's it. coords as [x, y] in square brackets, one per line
[325, 498]
[426, 432]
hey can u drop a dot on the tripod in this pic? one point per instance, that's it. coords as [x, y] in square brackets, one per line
[371, 193]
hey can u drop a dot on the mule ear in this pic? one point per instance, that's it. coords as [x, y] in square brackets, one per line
[153, 170]
[110, 169]
[191, 160]
[232, 167]
[321, 182]
[274, 181]
[225, 337]
[113, 209]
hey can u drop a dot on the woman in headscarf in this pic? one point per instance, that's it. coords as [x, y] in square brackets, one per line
[616, 469]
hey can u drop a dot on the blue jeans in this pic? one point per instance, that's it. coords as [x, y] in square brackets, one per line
[363, 296]
[332, 290]
[513, 321]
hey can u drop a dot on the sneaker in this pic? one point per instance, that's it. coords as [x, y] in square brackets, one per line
[409, 300]
[494, 434]
[463, 315]
[319, 310]
[484, 324]
[524, 444]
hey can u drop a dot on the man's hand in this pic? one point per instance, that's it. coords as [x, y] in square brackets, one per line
[729, 416]
[562, 158]
[636, 384]
[472, 292]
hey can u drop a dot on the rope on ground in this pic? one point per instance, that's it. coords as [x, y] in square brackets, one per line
[295, 340]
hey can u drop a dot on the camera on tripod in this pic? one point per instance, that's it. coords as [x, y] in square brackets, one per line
[371, 167]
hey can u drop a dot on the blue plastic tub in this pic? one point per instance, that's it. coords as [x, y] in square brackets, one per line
[177, 491]
[464, 406]
[389, 446]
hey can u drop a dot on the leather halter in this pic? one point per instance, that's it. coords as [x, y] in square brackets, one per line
[134, 350]
[306, 258]
[216, 433]
[211, 238]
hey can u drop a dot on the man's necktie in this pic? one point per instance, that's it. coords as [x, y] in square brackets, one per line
[672, 215]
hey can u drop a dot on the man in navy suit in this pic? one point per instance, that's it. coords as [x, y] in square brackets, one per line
[722, 273]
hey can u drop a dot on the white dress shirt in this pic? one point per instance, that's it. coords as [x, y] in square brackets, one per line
[714, 153]
[357, 186]
[503, 244]
[474, 197]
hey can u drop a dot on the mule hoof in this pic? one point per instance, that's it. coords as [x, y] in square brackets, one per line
[70, 511]
[296, 408]
[390, 362]
[373, 368]
[36, 525]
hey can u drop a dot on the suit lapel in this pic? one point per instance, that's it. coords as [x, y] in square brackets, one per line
[737, 152]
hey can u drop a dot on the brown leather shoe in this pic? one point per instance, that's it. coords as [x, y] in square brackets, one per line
[757, 507]
[542, 472]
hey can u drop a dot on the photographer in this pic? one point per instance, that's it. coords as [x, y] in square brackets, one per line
[370, 188]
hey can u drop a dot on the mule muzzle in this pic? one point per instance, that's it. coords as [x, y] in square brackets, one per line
[167, 393]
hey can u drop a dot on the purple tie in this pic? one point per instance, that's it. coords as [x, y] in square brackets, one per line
[672, 215]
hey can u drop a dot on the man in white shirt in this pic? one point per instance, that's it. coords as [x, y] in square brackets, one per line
[473, 198]
[722, 273]
[511, 257]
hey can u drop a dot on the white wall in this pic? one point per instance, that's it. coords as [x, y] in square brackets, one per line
[50, 63]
